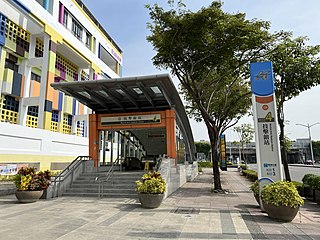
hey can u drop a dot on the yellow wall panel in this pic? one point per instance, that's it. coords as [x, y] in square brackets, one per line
[55, 36]
[44, 161]
[8, 75]
[68, 105]
[47, 120]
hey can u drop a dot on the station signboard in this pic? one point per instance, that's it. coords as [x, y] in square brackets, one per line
[265, 121]
[131, 119]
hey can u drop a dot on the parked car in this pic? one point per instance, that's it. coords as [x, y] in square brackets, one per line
[309, 162]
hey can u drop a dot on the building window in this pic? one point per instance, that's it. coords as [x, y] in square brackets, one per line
[65, 18]
[55, 116]
[76, 29]
[10, 103]
[88, 40]
[33, 111]
[35, 77]
[107, 58]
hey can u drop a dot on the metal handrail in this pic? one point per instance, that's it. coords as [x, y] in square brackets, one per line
[105, 178]
[158, 164]
[68, 170]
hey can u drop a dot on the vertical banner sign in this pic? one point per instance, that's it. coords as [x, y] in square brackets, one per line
[265, 122]
[223, 156]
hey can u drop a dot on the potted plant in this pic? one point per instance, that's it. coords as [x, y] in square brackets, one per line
[255, 189]
[281, 200]
[30, 184]
[308, 190]
[151, 189]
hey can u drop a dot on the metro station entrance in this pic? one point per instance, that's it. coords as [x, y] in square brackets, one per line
[137, 117]
[141, 136]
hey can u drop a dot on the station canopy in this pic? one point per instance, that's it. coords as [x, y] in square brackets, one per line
[131, 94]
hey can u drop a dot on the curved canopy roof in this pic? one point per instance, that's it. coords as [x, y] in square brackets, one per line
[132, 94]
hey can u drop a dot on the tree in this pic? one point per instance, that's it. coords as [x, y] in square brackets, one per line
[209, 52]
[316, 150]
[203, 147]
[246, 133]
[296, 68]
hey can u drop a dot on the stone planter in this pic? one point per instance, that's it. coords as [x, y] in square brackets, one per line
[28, 196]
[317, 196]
[282, 213]
[309, 193]
[256, 196]
[150, 200]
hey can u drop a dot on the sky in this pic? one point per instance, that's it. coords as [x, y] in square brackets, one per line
[126, 20]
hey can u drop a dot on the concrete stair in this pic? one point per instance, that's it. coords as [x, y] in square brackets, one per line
[122, 187]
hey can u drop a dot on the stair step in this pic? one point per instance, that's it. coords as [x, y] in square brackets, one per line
[123, 185]
[109, 195]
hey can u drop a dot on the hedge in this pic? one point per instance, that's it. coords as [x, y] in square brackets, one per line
[205, 164]
[250, 174]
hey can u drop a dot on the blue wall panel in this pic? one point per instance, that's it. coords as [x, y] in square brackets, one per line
[60, 101]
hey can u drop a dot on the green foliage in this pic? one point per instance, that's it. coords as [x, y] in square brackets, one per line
[308, 180]
[250, 174]
[243, 167]
[316, 149]
[28, 179]
[209, 51]
[200, 169]
[7, 178]
[205, 164]
[203, 147]
[299, 187]
[311, 180]
[151, 182]
[255, 187]
[245, 132]
[281, 193]
[296, 67]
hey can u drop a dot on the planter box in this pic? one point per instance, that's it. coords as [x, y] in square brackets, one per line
[282, 213]
[150, 200]
[309, 193]
[28, 196]
[317, 196]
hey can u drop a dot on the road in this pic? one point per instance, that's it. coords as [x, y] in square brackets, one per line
[296, 172]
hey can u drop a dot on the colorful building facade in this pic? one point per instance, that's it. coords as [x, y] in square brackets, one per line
[42, 42]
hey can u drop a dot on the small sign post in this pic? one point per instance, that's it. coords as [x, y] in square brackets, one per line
[265, 122]
[223, 155]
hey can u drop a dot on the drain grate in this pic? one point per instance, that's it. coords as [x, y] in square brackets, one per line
[186, 210]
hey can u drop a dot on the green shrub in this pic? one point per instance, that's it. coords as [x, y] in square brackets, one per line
[281, 193]
[299, 187]
[243, 166]
[309, 180]
[250, 174]
[200, 169]
[205, 164]
[7, 178]
[315, 182]
[255, 187]
[307, 176]
[151, 182]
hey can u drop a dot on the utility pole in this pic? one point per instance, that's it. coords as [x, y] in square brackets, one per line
[311, 149]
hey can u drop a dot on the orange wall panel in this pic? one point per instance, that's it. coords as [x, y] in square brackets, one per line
[93, 138]
[81, 108]
[35, 86]
[50, 90]
[55, 102]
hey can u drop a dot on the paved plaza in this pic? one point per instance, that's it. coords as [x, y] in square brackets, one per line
[192, 212]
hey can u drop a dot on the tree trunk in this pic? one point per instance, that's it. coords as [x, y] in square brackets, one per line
[282, 146]
[214, 141]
